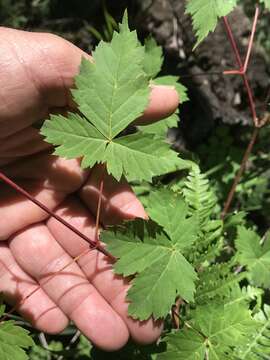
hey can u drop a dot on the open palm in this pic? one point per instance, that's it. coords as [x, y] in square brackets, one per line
[36, 73]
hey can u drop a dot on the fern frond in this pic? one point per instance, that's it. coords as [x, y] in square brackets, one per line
[217, 282]
[198, 195]
[246, 294]
[208, 245]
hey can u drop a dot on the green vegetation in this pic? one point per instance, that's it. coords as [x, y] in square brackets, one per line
[214, 266]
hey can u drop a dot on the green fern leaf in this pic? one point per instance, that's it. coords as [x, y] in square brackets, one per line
[162, 272]
[217, 282]
[209, 243]
[245, 294]
[112, 91]
[254, 256]
[205, 15]
[198, 195]
[201, 201]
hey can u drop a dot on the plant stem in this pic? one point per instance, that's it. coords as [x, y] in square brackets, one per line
[175, 313]
[243, 67]
[242, 71]
[58, 218]
[251, 40]
[240, 172]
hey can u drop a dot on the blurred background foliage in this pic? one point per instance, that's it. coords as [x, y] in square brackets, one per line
[217, 147]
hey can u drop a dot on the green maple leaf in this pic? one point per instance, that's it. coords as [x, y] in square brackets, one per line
[205, 15]
[214, 332]
[169, 210]
[153, 59]
[161, 127]
[162, 272]
[112, 91]
[184, 345]
[254, 255]
[13, 340]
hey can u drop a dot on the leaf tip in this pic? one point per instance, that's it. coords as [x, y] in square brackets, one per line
[124, 27]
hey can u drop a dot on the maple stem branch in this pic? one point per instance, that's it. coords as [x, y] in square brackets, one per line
[233, 42]
[251, 40]
[58, 218]
[241, 70]
[240, 172]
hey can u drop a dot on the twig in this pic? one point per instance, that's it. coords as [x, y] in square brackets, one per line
[242, 69]
[240, 172]
[251, 40]
[71, 342]
[175, 313]
[43, 340]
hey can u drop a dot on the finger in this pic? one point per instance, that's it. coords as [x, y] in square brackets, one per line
[24, 143]
[98, 269]
[69, 289]
[16, 285]
[118, 199]
[164, 100]
[48, 178]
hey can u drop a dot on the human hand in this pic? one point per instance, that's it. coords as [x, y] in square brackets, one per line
[36, 73]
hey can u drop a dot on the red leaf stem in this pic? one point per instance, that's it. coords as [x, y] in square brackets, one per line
[240, 172]
[92, 243]
[243, 67]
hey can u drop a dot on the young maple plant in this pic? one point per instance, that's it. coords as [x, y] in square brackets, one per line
[112, 91]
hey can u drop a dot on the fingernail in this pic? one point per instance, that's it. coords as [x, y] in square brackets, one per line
[134, 209]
